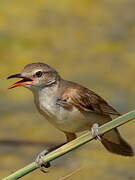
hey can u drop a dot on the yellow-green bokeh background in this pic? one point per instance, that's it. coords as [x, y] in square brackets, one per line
[91, 42]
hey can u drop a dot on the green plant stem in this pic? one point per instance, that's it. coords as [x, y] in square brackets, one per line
[72, 145]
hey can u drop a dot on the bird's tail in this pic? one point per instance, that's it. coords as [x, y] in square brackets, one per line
[114, 143]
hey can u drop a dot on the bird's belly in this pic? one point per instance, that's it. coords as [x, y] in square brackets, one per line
[67, 120]
[73, 121]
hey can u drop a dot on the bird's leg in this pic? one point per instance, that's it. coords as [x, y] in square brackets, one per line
[39, 160]
[70, 136]
[95, 131]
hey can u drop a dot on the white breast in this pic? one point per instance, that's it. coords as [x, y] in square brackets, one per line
[46, 102]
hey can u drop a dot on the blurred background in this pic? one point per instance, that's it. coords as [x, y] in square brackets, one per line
[91, 42]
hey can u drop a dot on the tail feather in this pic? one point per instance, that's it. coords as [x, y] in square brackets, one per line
[114, 143]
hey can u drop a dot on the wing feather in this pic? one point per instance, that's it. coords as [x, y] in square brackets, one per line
[86, 100]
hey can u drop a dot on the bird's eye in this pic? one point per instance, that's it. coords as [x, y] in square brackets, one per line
[38, 74]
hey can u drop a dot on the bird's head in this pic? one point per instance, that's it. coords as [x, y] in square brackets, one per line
[36, 75]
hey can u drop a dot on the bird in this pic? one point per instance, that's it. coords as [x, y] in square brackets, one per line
[70, 107]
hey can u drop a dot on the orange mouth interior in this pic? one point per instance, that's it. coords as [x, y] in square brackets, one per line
[23, 82]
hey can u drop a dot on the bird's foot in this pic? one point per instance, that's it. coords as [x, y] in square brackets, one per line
[39, 161]
[95, 131]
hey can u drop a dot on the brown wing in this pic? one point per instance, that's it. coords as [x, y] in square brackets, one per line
[88, 101]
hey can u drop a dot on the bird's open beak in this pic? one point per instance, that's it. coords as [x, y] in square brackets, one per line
[23, 82]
